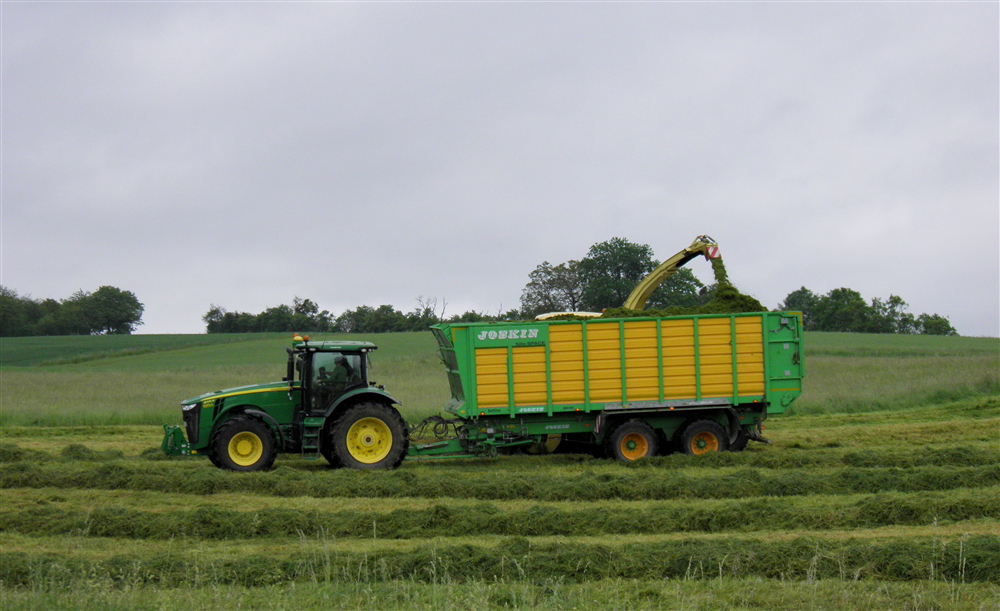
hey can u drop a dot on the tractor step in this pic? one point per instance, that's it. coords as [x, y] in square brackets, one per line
[312, 429]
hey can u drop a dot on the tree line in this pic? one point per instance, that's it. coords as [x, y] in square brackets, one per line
[304, 315]
[845, 310]
[602, 279]
[108, 310]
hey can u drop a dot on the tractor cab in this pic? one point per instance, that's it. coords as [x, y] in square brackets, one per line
[327, 370]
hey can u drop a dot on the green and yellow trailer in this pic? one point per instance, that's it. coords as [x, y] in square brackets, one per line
[627, 388]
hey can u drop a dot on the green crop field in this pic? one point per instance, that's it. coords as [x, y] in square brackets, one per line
[881, 490]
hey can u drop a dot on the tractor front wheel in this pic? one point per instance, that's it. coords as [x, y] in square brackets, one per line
[243, 444]
[370, 436]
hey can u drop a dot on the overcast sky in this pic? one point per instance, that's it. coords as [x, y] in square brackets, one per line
[242, 154]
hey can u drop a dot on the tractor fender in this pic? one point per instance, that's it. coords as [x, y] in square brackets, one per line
[270, 422]
[359, 394]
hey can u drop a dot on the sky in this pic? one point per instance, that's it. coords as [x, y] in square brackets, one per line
[245, 153]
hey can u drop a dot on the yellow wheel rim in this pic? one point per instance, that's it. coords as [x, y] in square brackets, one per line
[245, 449]
[704, 442]
[634, 446]
[369, 440]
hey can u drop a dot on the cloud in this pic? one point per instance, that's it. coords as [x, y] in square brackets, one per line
[370, 153]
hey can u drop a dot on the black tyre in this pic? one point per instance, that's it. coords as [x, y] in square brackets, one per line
[370, 436]
[740, 443]
[243, 443]
[327, 450]
[704, 436]
[631, 441]
[549, 446]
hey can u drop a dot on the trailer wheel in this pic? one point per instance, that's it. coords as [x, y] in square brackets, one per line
[370, 436]
[703, 436]
[740, 443]
[631, 441]
[243, 444]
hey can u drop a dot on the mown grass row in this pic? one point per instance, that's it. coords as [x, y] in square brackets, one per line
[495, 484]
[827, 456]
[548, 594]
[965, 559]
[450, 519]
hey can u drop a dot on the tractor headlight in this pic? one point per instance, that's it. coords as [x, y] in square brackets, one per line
[189, 406]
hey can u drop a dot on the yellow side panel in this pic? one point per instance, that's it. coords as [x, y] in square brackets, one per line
[750, 355]
[529, 376]
[642, 370]
[566, 362]
[491, 377]
[604, 362]
[714, 336]
[678, 359]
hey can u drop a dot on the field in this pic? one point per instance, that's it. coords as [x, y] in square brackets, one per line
[881, 490]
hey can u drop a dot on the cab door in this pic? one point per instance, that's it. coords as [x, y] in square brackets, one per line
[332, 374]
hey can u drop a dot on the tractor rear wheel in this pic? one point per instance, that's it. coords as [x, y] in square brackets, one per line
[703, 436]
[370, 436]
[328, 451]
[243, 444]
[631, 441]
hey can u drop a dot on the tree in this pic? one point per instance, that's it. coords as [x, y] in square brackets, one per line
[14, 317]
[890, 316]
[214, 318]
[934, 324]
[842, 309]
[805, 301]
[106, 310]
[682, 288]
[303, 315]
[611, 270]
[111, 310]
[552, 289]
[424, 315]
[277, 319]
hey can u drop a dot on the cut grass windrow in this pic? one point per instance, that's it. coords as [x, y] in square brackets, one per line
[965, 559]
[548, 594]
[493, 484]
[450, 519]
[794, 458]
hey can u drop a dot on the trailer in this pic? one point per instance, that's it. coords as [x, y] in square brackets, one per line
[625, 387]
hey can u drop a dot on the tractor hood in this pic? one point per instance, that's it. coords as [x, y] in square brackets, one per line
[239, 390]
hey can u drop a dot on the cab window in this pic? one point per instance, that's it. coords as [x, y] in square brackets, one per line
[333, 373]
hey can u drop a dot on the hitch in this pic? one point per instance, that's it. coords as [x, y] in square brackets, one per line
[174, 442]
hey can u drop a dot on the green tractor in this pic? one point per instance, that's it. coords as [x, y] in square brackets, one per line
[325, 406]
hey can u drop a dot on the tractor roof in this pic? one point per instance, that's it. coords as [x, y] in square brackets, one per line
[336, 346]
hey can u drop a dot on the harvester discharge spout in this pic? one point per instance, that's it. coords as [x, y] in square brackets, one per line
[702, 245]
